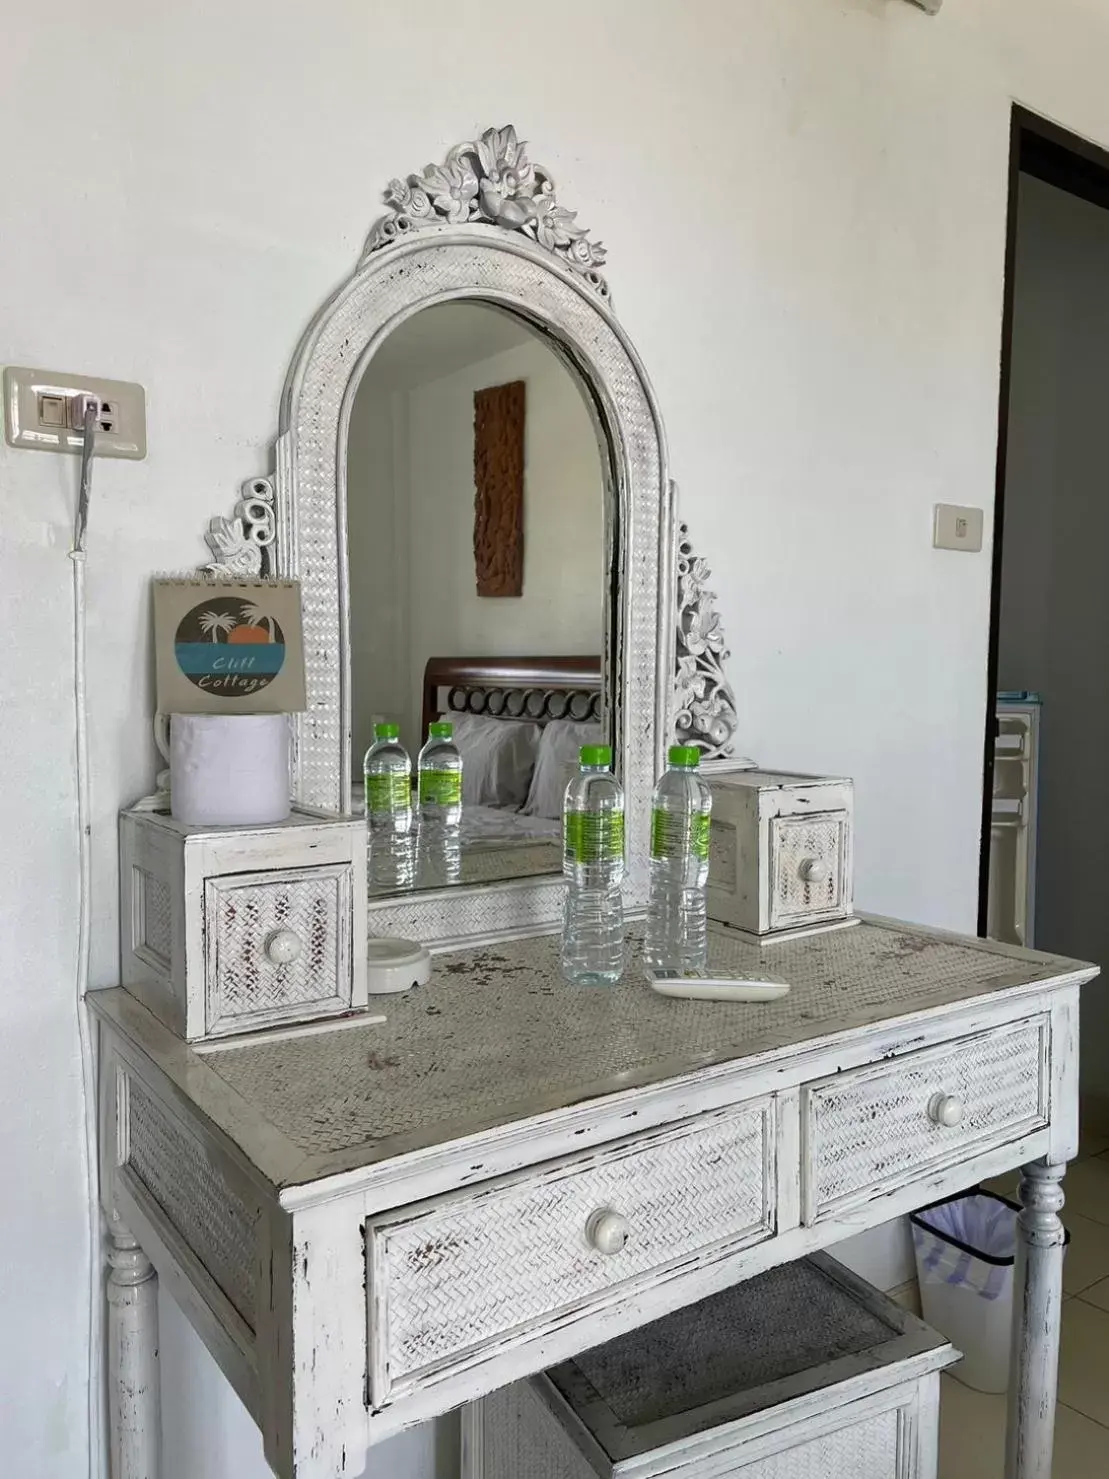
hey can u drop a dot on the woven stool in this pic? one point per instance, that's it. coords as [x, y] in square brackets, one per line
[805, 1372]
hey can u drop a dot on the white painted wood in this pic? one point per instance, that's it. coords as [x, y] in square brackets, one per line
[780, 851]
[433, 1128]
[402, 1171]
[474, 1274]
[1064, 1076]
[472, 1433]
[238, 928]
[134, 1400]
[1038, 1291]
[931, 1106]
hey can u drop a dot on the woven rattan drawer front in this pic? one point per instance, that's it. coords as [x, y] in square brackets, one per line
[518, 1255]
[876, 1129]
[278, 946]
[807, 868]
[870, 1449]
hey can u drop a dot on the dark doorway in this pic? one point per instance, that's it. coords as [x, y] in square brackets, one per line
[1049, 609]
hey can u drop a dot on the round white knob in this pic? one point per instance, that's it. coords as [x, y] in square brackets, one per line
[607, 1231]
[812, 870]
[946, 1110]
[283, 947]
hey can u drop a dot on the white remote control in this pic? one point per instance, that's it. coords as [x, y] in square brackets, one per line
[716, 988]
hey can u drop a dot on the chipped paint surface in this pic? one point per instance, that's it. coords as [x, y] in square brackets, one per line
[416, 1284]
[497, 1034]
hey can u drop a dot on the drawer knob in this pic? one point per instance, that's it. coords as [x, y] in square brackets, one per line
[813, 870]
[946, 1110]
[607, 1231]
[283, 947]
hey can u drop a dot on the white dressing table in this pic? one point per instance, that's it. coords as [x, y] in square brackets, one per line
[371, 1225]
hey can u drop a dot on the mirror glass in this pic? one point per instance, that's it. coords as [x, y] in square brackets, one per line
[478, 521]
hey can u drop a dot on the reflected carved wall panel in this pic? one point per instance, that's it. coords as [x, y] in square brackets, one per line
[499, 413]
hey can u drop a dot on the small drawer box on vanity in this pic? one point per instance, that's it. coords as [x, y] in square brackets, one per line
[803, 1373]
[780, 851]
[229, 929]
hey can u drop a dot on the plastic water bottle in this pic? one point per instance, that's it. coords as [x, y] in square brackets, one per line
[439, 859]
[387, 774]
[593, 865]
[440, 780]
[677, 936]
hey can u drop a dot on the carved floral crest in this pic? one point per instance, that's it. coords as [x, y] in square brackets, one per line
[490, 180]
[240, 543]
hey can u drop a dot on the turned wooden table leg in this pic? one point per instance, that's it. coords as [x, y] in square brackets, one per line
[1037, 1312]
[134, 1398]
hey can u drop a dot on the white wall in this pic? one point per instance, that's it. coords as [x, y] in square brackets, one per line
[804, 207]
[410, 501]
[1055, 591]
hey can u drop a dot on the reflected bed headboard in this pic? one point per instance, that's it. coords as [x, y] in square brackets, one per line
[535, 688]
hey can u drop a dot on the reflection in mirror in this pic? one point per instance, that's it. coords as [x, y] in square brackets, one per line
[476, 524]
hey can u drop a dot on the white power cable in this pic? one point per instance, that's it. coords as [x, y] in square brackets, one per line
[97, 1466]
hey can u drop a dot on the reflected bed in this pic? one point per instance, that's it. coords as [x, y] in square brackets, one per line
[519, 722]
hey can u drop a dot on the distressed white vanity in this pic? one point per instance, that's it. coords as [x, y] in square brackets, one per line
[373, 1222]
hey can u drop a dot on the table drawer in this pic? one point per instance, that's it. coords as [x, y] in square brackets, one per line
[872, 1130]
[503, 1261]
[808, 868]
[278, 944]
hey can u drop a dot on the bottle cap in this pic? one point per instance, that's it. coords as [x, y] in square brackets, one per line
[687, 756]
[596, 755]
[386, 731]
[440, 731]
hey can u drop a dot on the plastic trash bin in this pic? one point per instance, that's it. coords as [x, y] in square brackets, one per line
[965, 1251]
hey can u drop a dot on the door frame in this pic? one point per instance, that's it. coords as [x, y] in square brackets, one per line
[1048, 152]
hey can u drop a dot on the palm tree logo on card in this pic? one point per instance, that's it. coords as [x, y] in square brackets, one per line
[229, 647]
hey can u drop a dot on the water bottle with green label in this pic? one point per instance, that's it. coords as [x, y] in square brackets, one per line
[677, 937]
[387, 775]
[440, 780]
[593, 866]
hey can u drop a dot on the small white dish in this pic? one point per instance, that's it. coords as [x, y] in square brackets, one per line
[395, 965]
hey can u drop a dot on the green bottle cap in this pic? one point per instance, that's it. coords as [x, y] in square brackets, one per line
[386, 731]
[596, 755]
[687, 756]
[440, 731]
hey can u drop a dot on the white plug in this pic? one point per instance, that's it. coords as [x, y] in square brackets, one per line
[78, 408]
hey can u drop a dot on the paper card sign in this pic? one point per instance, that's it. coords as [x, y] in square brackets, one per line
[228, 647]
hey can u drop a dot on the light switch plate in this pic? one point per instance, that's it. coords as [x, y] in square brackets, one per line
[32, 416]
[956, 527]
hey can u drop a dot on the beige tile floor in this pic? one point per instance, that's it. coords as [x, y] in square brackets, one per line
[972, 1424]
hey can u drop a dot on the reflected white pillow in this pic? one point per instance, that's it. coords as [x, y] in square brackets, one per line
[556, 762]
[498, 758]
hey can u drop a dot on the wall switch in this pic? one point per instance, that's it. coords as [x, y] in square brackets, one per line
[955, 527]
[44, 409]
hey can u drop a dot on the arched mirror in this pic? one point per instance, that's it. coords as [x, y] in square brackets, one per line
[471, 486]
[477, 544]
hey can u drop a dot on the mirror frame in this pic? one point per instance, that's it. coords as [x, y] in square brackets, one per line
[486, 226]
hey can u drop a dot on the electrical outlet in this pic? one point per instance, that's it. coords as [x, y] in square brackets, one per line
[45, 409]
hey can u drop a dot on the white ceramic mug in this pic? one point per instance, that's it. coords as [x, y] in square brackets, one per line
[226, 770]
